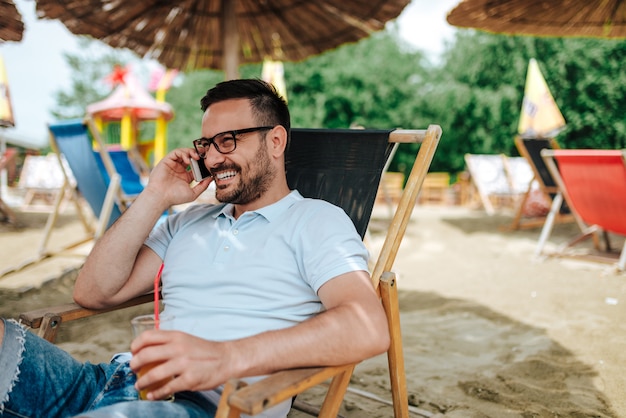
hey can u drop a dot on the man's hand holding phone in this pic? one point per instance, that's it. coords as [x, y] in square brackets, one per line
[199, 170]
[171, 177]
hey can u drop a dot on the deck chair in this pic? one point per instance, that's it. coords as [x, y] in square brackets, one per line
[593, 183]
[530, 149]
[390, 189]
[489, 176]
[519, 174]
[72, 141]
[125, 167]
[42, 179]
[435, 188]
[343, 167]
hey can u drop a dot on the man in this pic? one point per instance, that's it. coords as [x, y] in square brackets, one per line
[265, 281]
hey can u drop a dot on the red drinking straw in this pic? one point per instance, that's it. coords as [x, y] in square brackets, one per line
[157, 280]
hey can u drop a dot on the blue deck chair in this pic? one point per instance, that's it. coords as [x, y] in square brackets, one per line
[107, 180]
[71, 138]
[131, 181]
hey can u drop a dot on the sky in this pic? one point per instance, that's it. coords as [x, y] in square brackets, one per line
[36, 68]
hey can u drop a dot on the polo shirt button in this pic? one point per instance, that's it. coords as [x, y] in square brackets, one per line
[235, 231]
[226, 248]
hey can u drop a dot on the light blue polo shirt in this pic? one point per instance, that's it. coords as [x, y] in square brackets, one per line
[227, 278]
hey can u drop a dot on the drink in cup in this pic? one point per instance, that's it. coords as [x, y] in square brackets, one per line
[143, 323]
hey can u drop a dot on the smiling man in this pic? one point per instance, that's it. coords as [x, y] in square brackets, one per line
[264, 281]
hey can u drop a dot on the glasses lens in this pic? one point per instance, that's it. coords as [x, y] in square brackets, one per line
[202, 146]
[225, 142]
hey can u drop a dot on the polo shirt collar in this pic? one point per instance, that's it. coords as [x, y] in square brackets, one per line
[271, 212]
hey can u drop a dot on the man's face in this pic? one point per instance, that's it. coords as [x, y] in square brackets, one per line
[241, 177]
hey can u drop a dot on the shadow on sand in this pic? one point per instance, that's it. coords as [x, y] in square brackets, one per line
[465, 360]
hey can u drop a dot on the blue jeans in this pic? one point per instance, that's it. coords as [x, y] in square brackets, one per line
[38, 379]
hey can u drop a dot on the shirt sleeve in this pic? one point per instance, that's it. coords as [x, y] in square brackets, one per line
[330, 245]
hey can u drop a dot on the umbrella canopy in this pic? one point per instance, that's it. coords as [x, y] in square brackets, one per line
[221, 34]
[583, 18]
[11, 25]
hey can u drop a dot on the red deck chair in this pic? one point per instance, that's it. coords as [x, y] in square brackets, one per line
[593, 183]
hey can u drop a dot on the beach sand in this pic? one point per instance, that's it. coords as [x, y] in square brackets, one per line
[488, 331]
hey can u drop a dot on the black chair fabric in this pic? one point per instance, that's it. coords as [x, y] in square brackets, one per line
[345, 164]
[533, 147]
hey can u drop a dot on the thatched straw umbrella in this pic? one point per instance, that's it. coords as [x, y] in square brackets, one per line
[11, 25]
[581, 18]
[222, 34]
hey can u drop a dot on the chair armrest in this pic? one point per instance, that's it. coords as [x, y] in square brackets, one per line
[278, 387]
[48, 320]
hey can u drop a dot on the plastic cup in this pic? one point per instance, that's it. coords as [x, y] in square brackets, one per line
[144, 323]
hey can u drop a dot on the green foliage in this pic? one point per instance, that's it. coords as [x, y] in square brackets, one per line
[365, 84]
[480, 87]
[590, 85]
[474, 93]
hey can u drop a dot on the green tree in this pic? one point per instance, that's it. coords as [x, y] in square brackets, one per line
[590, 82]
[369, 84]
[474, 93]
[480, 86]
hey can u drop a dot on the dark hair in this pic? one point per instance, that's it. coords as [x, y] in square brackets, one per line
[268, 107]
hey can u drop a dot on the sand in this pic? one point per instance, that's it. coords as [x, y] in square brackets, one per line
[488, 331]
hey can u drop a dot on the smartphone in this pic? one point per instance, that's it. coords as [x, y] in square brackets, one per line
[199, 170]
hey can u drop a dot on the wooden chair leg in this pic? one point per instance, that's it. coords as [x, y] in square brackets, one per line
[335, 395]
[50, 327]
[607, 241]
[395, 356]
[112, 193]
[517, 219]
[224, 410]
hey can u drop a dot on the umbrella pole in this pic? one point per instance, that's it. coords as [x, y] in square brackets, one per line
[231, 40]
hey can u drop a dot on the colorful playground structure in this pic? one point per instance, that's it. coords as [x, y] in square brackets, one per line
[131, 119]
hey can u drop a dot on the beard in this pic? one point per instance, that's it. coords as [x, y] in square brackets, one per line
[253, 181]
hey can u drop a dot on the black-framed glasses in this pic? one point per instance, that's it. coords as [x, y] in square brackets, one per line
[225, 142]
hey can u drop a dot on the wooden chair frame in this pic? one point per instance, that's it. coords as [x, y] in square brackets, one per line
[541, 175]
[251, 399]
